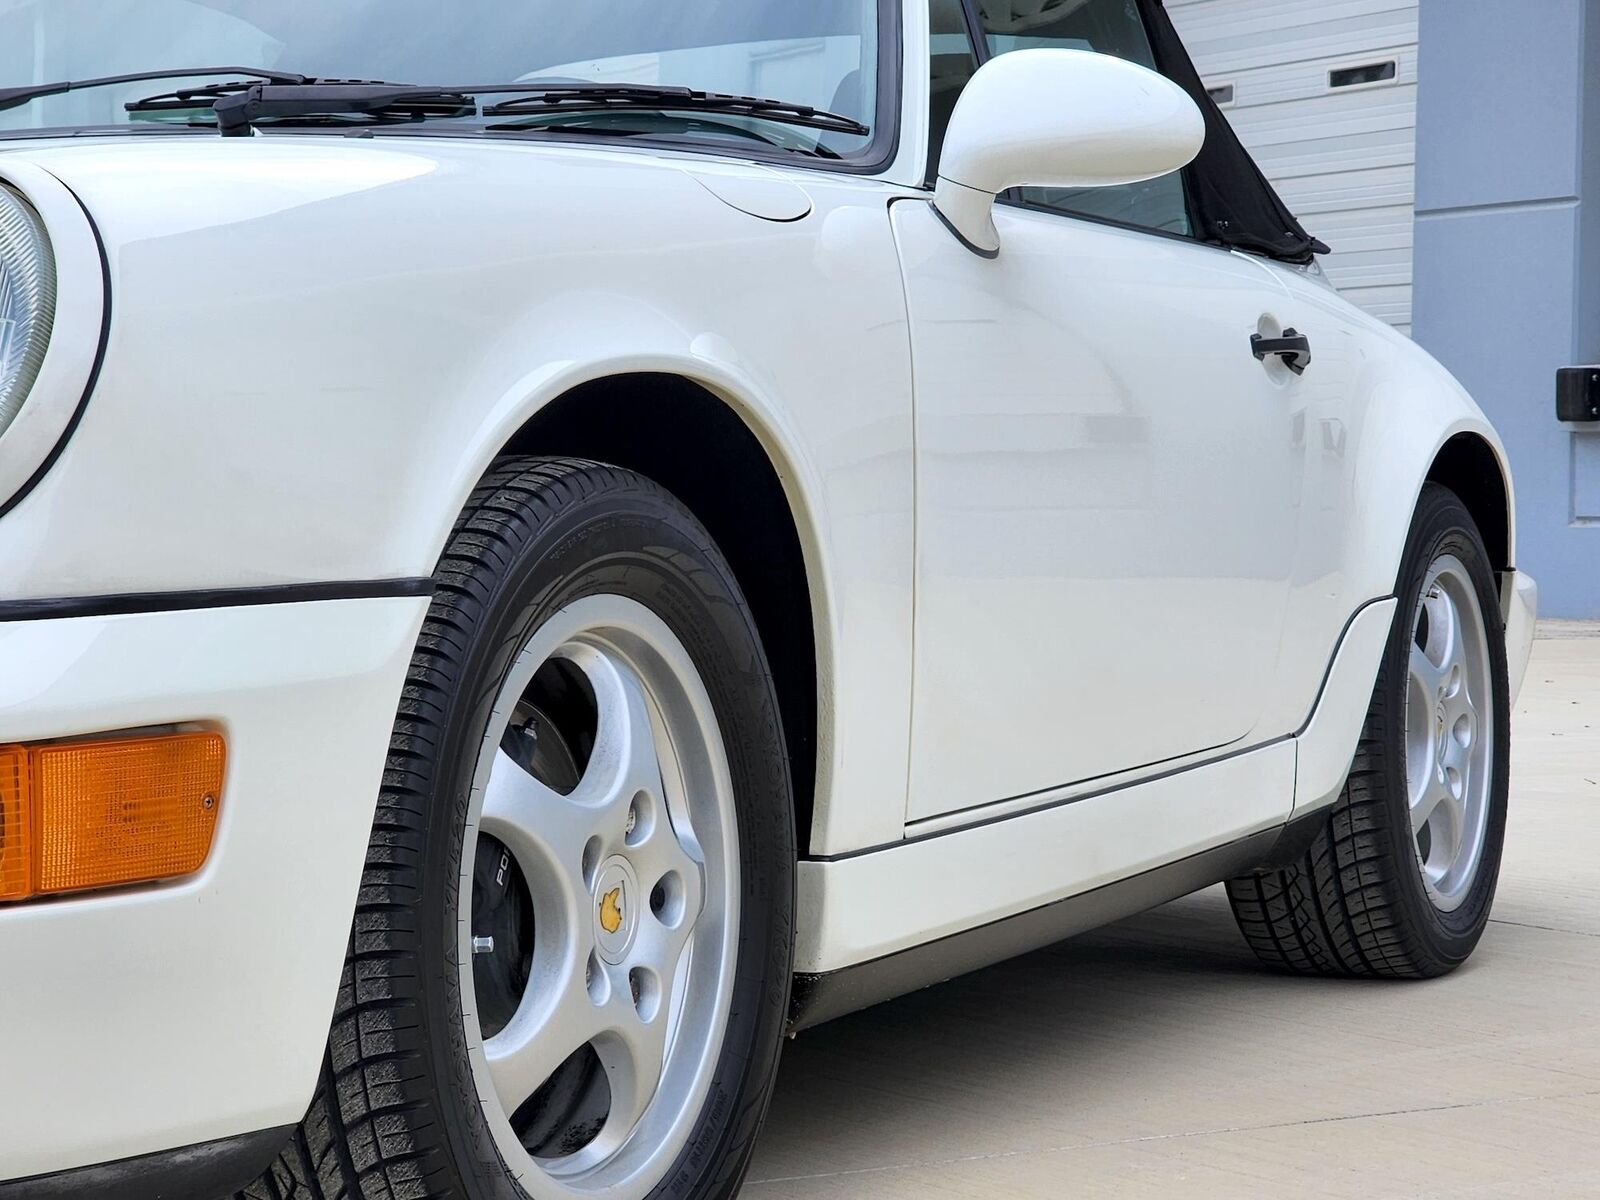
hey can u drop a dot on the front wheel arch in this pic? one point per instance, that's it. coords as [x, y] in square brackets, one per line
[669, 428]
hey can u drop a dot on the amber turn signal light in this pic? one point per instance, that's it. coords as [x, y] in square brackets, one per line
[91, 814]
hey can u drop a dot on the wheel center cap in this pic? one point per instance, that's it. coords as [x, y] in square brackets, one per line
[616, 899]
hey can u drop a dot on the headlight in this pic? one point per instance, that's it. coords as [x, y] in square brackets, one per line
[27, 301]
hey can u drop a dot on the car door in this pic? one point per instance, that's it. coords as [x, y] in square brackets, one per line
[1108, 481]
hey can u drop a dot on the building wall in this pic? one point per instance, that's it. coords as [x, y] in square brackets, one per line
[1507, 253]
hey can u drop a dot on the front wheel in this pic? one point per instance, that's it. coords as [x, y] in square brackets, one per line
[1401, 875]
[568, 972]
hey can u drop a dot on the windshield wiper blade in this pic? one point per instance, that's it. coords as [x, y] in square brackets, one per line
[16, 97]
[602, 97]
[238, 105]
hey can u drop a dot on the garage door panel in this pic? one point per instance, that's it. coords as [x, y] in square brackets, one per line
[1367, 230]
[1227, 39]
[1281, 82]
[1295, 122]
[1377, 187]
[1321, 157]
[1343, 159]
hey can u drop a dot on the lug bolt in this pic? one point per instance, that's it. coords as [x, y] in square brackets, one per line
[633, 819]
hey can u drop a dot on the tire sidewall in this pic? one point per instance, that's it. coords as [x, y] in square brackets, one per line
[1444, 526]
[635, 542]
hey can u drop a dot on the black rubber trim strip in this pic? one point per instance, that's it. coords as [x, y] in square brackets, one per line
[818, 998]
[94, 372]
[956, 233]
[1046, 805]
[1338, 645]
[201, 1172]
[158, 602]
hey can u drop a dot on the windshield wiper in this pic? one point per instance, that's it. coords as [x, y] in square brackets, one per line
[239, 105]
[603, 97]
[16, 97]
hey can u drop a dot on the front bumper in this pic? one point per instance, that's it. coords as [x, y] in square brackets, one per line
[155, 1017]
[1519, 599]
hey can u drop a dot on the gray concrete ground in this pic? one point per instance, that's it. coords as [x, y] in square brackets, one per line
[1153, 1058]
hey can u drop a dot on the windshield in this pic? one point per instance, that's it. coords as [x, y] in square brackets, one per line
[821, 53]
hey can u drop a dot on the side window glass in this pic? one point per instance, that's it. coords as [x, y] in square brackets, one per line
[1106, 27]
[954, 61]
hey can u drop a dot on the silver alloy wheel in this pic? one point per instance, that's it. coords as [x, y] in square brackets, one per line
[633, 880]
[1449, 732]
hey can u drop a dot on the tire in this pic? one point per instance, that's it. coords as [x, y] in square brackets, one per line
[1363, 900]
[404, 1106]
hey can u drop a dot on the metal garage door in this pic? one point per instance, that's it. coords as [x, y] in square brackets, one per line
[1324, 93]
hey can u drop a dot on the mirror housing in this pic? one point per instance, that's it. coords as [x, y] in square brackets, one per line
[1058, 118]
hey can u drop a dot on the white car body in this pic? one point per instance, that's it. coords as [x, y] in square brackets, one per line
[1058, 644]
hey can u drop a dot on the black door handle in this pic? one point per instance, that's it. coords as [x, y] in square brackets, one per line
[1293, 348]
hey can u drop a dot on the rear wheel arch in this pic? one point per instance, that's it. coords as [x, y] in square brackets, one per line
[1470, 467]
[685, 437]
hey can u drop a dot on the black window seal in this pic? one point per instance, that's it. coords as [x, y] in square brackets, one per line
[976, 32]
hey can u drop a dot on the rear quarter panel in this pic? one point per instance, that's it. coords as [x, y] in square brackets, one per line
[1374, 410]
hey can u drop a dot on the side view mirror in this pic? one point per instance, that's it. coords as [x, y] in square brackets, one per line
[1058, 118]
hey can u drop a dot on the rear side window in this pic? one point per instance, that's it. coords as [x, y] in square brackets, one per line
[1106, 27]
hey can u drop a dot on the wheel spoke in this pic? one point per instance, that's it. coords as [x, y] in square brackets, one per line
[664, 936]
[1429, 675]
[663, 860]
[1424, 801]
[633, 1047]
[1445, 627]
[558, 1015]
[545, 830]
[1449, 821]
[623, 762]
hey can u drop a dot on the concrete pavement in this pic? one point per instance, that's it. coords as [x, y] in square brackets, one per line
[1154, 1058]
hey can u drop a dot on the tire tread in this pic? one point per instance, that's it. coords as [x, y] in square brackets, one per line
[1341, 908]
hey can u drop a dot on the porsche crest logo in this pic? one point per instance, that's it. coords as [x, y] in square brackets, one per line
[611, 910]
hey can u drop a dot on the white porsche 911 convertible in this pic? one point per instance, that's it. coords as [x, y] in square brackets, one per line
[546, 546]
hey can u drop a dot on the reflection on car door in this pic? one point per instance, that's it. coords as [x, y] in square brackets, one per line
[1108, 486]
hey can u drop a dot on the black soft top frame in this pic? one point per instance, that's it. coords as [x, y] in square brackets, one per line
[1230, 200]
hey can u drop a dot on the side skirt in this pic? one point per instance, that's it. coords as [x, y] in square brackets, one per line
[200, 1172]
[819, 998]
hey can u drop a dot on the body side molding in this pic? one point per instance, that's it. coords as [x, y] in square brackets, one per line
[56, 608]
[208, 1169]
[822, 997]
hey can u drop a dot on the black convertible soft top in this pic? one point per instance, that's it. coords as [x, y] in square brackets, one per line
[1231, 201]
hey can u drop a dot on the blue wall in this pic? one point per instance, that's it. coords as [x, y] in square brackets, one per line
[1508, 253]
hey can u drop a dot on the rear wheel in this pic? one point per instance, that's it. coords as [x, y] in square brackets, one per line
[569, 967]
[1401, 874]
